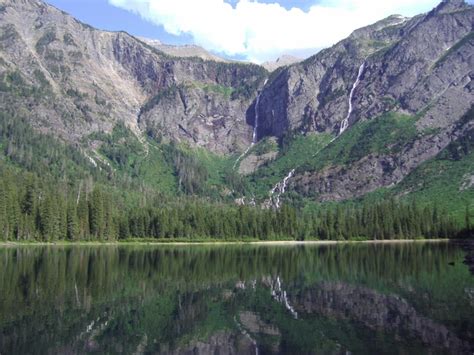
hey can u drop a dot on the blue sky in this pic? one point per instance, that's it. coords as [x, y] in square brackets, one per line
[102, 15]
[243, 29]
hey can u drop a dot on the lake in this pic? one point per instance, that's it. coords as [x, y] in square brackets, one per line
[236, 299]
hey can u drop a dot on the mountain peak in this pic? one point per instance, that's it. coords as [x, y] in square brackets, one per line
[447, 6]
[281, 61]
[182, 51]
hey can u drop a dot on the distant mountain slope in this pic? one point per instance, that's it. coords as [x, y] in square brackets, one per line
[182, 51]
[282, 61]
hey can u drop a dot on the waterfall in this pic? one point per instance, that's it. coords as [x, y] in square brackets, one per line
[345, 122]
[255, 127]
[282, 297]
[92, 161]
[255, 123]
[280, 189]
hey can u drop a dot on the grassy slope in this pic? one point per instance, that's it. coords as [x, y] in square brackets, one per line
[297, 152]
[440, 181]
[385, 134]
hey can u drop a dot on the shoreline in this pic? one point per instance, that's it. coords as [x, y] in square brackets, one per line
[217, 243]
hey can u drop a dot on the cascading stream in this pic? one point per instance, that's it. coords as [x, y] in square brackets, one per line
[345, 122]
[281, 296]
[279, 189]
[255, 127]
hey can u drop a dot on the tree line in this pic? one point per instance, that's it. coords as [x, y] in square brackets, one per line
[33, 208]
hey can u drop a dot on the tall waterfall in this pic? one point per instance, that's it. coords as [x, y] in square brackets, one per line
[281, 296]
[255, 127]
[280, 189]
[345, 122]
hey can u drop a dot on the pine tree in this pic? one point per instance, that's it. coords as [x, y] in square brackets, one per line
[72, 222]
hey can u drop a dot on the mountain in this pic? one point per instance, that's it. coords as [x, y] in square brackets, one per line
[89, 80]
[283, 61]
[183, 51]
[386, 112]
[391, 96]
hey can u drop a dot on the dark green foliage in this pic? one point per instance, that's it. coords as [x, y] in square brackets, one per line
[50, 191]
[120, 147]
[295, 151]
[14, 83]
[39, 153]
[387, 134]
[34, 209]
[192, 174]
[155, 100]
[41, 78]
[55, 55]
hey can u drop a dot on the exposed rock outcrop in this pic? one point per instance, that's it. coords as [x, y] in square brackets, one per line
[86, 80]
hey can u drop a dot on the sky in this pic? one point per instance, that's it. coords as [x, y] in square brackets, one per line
[251, 30]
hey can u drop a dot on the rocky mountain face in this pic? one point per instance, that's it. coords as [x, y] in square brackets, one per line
[73, 81]
[182, 51]
[422, 67]
[283, 61]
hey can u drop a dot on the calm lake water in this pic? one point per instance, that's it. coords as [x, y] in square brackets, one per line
[384, 298]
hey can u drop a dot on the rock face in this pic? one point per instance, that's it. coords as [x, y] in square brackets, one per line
[416, 65]
[85, 80]
[72, 81]
[283, 61]
[422, 67]
[184, 51]
[336, 183]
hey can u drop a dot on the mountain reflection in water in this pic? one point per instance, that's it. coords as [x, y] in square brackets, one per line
[380, 298]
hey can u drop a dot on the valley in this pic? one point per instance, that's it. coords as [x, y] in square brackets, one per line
[385, 114]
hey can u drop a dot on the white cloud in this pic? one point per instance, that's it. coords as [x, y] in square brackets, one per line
[262, 31]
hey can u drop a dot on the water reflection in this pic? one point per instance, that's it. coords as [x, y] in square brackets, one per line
[236, 299]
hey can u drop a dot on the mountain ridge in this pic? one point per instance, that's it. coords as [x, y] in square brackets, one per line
[374, 107]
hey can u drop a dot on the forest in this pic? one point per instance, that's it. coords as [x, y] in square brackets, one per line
[34, 209]
[50, 192]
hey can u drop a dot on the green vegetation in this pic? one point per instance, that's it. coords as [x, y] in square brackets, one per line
[140, 189]
[8, 33]
[14, 83]
[225, 91]
[33, 209]
[266, 145]
[386, 134]
[68, 39]
[155, 100]
[174, 297]
[445, 180]
[295, 151]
